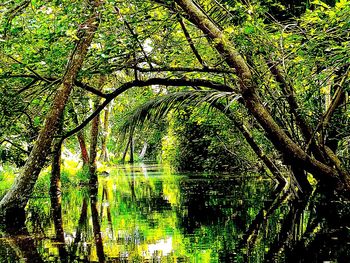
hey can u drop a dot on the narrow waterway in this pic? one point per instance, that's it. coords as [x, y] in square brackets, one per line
[147, 213]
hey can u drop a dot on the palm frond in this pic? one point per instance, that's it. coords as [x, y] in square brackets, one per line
[159, 107]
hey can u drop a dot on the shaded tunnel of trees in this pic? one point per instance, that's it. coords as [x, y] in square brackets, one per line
[204, 85]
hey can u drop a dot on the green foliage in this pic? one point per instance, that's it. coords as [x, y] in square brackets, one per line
[7, 176]
[198, 140]
[70, 178]
[83, 175]
[308, 40]
[42, 185]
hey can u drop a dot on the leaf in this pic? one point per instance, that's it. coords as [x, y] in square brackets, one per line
[37, 121]
[341, 4]
[72, 33]
[249, 29]
[229, 30]
[320, 3]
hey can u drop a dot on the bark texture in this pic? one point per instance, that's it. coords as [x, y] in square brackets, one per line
[17, 197]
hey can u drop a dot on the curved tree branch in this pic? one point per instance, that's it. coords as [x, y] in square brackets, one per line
[144, 83]
[184, 69]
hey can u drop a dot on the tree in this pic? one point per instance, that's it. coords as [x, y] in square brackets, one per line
[323, 171]
[13, 204]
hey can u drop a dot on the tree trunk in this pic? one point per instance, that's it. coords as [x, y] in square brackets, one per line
[104, 152]
[15, 200]
[131, 149]
[296, 155]
[125, 150]
[93, 148]
[55, 179]
[81, 138]
[83, 149]
[95, 126]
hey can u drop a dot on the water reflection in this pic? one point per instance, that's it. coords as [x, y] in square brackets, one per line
[19, 247]
[148, 214]
[56, 214]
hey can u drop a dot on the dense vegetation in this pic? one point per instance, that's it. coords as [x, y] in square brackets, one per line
[204, 85]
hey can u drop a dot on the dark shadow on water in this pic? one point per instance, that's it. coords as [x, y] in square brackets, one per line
[251, 234]
[19, 245]
[315, 228]
[327, 235]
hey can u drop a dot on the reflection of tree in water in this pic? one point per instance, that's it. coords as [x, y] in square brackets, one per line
[56, 209]
[19, 245]
[212, 201]
[37, 216]
[96, 225]
[327, 234]
[287, 228]
[215, 212]
[230, 219]
[150, 199]
[300, 229]
[81, 227]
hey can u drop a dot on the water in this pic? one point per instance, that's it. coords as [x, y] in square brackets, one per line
[149, 214]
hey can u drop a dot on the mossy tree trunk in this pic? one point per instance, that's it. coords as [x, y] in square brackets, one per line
[15, 200]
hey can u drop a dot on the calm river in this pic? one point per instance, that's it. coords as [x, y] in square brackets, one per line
[146, 213]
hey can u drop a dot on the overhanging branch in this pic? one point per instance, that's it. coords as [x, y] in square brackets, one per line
[144, 83]
[184, 69]
[51, 80]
